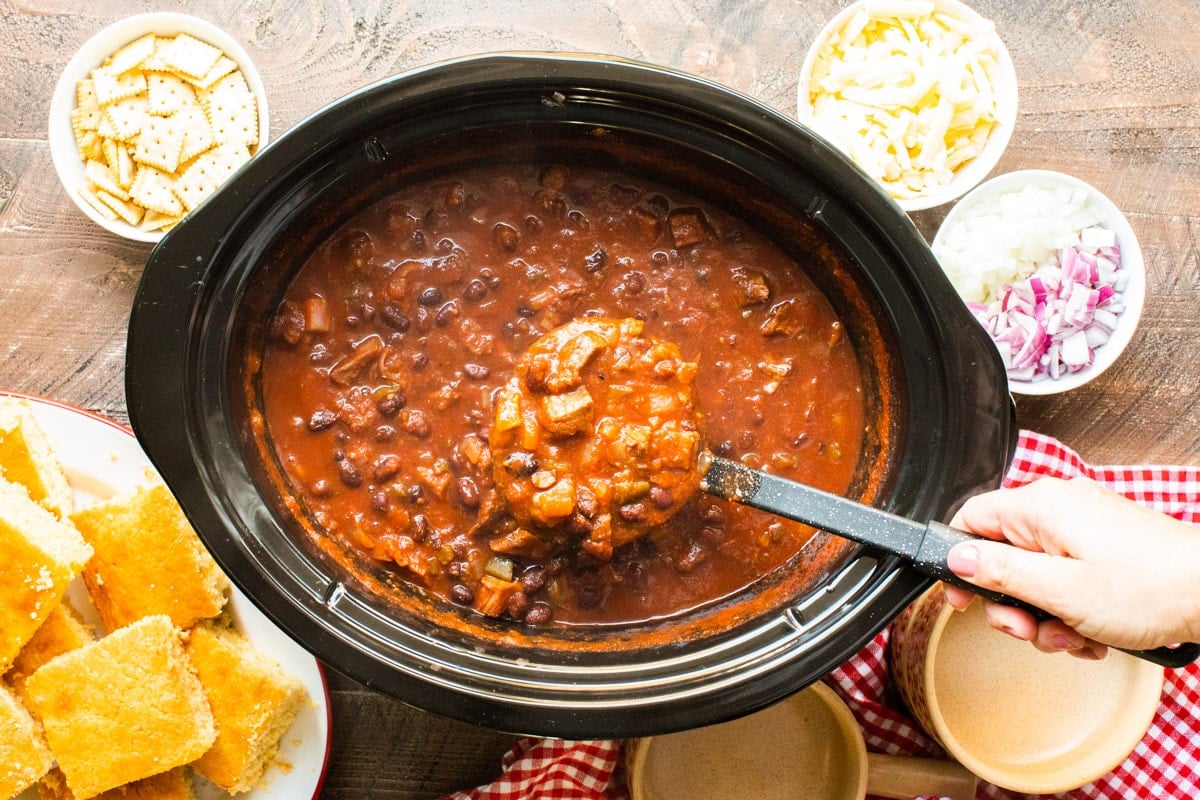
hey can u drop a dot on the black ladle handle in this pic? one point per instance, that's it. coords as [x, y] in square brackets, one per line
[932, 560]
[927, 546]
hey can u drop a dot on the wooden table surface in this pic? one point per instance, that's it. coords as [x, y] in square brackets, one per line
[1109, 92]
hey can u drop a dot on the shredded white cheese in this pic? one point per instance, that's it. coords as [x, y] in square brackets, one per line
[907, 93]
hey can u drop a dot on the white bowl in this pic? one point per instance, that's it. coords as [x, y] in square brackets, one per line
[968, 175]
[67, 161]
[1132, 263]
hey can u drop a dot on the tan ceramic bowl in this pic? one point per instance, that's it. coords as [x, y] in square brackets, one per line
[807, 747]
[1027, 721]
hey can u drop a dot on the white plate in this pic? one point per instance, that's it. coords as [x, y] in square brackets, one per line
[101, 459]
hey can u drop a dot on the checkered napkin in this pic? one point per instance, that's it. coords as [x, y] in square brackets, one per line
[1165, 764]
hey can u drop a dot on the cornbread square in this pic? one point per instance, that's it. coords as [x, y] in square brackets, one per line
[26, 457]
[148, 561]
[174, 784]
[24, 757]
[123, 708]
[253, 699]
[62, 632]
[39, 557]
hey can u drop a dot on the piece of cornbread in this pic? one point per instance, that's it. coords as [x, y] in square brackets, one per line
[26, 457]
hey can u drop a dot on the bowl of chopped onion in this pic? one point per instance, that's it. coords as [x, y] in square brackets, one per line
[920, 94]
[1052, 270]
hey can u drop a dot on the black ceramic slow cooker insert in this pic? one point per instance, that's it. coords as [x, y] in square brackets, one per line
[943, 422]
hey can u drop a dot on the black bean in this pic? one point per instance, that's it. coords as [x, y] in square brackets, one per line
[468, 492]
[714, 516]
[634, 282]
[391, 403]
[524, 309]
[539, 614]
[586, 502]
[476, 372]
[413, 493]
[587, 597]
[462, 594]
[595, 260]
[321, 419]
[458, 462]
[579, 220]
[352, 321]
[723, 448]
[533, 224]
[419, 361]
[417, 241]
[349, 474]
[490, 278]
[695, 556]
[379, 501]
[430, 296]
[386, 467]
[394, 317]
[321, 488]
[509, 331]
[506, 237]
[385, 433]
[474, 291]
[578, 525]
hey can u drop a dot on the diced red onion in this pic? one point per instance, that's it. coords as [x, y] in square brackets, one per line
[1042, 276]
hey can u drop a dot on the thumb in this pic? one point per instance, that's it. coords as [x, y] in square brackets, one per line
[1035, 577]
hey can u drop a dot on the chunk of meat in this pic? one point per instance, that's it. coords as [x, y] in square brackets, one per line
[752, 286]
[688, 226]
[567, 414]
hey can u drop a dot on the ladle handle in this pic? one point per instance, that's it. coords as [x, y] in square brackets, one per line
[931, 560]
[905, 777]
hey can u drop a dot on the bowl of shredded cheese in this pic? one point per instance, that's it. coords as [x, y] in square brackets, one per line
[920, 94]
[1051, 269]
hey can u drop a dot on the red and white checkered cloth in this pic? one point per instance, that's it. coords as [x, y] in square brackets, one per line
[1166, 764]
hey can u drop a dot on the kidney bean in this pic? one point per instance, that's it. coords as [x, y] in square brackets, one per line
[633, 512]
[349, 474]
[468, 492]
[420, 527]
[391, 403]
[414, 494]
[520, 464]
[321, 488]
[660, 497]
[462, 594]
[475, 291]
[517, 604]
[394, 317]
[430, 296]
[595, 260]
[321, 419]
[379, 502]
[447, 314]
[385, 433]
[533, 579]
[539, 613]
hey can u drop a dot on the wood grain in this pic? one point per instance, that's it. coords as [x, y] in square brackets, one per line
[1109, 92]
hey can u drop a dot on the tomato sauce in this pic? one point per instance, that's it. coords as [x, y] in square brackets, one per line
[395, 340]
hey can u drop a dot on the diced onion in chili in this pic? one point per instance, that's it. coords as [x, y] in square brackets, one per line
[1041, 275]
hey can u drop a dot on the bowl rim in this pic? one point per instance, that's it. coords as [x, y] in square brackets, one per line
[978, 168]
[68, 163]
[180, 404]
[1132, 258]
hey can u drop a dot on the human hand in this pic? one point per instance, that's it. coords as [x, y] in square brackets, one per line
[1112, 571]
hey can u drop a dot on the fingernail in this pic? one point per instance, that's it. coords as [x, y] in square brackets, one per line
[1088, 653]
[1061, 641]
[963, 559]
[1009, 631]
